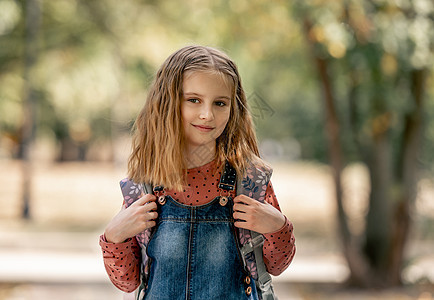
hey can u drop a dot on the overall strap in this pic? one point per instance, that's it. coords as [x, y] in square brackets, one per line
[228, 178]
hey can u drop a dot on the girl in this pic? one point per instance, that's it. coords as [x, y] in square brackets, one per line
[200, 219]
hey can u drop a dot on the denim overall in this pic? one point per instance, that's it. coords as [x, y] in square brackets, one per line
[194, 254]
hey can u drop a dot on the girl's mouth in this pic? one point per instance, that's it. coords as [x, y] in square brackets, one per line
[203, 128]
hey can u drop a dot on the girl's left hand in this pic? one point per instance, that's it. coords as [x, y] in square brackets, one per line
[254, 215]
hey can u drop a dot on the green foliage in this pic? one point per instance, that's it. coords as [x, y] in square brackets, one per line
[374, 60]
[98, 57]
[373, 47]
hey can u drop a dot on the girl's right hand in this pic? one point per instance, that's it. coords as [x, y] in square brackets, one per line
[132, 220]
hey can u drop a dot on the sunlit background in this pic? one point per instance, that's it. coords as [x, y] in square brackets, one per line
[342, 94]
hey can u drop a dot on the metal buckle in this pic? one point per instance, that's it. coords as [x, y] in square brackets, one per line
[162, 199]
[223, 200]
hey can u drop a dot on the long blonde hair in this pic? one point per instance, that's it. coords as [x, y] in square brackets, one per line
[158, 139]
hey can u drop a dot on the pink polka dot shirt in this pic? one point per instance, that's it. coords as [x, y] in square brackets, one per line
[122, 261]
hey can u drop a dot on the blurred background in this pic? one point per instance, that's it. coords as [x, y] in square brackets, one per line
[342, 93]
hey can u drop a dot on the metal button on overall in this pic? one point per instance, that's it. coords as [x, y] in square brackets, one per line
[162, 200]
[249, 291]
[223, 200]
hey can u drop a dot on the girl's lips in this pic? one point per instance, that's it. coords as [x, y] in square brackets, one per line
[203, 128]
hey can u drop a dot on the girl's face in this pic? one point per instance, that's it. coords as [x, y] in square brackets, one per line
[205, 109]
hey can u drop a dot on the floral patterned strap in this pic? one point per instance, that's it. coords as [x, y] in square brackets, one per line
[254, 185]
[131, 192]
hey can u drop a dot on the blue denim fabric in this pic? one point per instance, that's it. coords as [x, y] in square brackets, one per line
[194, 254]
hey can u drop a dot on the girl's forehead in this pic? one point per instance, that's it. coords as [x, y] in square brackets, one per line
[227, 79]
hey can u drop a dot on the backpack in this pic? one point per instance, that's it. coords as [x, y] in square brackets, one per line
[253, 185]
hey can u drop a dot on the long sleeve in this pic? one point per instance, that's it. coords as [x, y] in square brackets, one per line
[279, 246]
[122, 263]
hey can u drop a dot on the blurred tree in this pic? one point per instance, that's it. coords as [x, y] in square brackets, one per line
[96, 58]
[31, 55]
[373, 58]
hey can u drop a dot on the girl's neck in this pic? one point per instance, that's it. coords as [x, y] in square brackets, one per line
[198, 156]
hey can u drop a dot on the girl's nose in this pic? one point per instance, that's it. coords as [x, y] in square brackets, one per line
[206, 113]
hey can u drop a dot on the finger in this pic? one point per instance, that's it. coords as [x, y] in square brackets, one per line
[238, 207]
[239, 216]
[149, 197]
[241, 224]
[144, 199]
[150, 206]
[241, 207]
[150, 224]
[151, 215]
[145, 210]
[243, 199]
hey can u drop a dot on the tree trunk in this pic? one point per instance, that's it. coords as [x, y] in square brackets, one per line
[358, 268]
[378, 219]
[379, 262]
[32, 21]
[407, 176]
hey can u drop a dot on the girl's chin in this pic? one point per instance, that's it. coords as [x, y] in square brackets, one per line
[202, 145]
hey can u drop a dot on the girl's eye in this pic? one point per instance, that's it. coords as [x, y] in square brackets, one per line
[220, 103]
[193, 100]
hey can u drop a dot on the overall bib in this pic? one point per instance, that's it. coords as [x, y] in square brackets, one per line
[194, 254]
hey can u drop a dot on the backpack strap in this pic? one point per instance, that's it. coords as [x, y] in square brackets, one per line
[264, 283]
[147, 189]
[254, 245]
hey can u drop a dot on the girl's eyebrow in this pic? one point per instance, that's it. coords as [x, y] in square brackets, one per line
[199, 95]
[192, 94]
